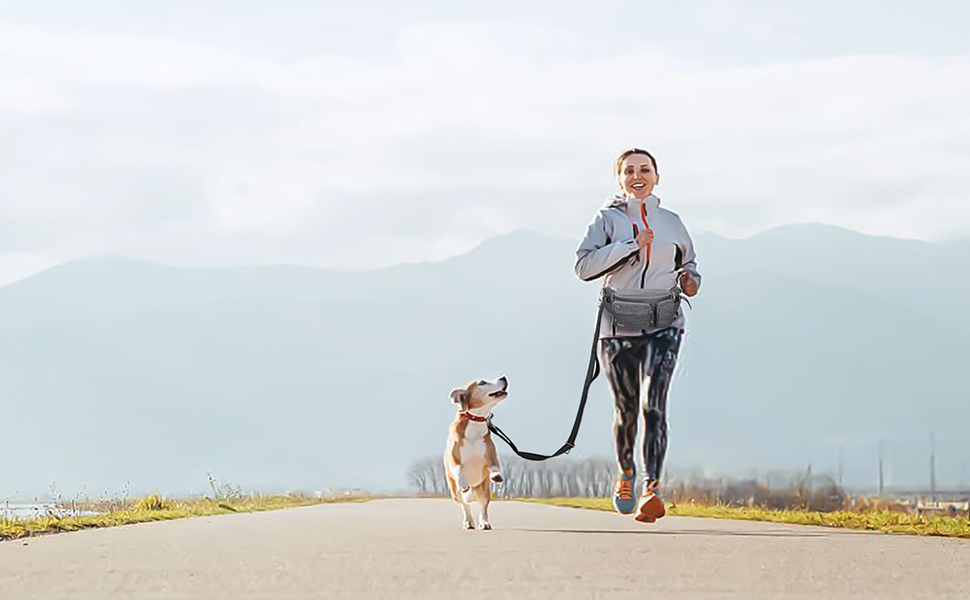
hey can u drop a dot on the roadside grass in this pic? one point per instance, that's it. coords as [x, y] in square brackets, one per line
[886, 521]
[156, 508]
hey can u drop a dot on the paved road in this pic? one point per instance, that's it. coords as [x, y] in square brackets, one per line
[416, 549]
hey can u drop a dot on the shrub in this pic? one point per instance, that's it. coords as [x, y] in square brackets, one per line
[153, 502]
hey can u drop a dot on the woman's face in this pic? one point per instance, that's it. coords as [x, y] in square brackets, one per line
[637, 176]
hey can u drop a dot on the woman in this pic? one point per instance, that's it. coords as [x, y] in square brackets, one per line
[634, 243]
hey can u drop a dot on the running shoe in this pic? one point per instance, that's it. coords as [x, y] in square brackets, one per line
[650, 508]
[623, 499]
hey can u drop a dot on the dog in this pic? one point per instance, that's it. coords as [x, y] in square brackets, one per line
[471, 463]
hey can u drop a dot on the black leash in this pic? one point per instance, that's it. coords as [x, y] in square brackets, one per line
[591, 373]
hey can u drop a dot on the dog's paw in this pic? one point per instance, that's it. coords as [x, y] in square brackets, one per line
[496, 478]
[468, 526]
[485, 526]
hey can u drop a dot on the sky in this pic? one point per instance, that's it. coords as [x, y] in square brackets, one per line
[359, 135]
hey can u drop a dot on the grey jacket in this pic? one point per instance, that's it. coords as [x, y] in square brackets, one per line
[609, 250]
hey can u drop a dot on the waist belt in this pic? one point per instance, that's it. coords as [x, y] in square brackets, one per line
[642, 309]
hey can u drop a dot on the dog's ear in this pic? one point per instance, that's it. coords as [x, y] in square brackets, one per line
[459, 397]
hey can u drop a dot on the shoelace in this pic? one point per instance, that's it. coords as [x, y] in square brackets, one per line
[624, 489]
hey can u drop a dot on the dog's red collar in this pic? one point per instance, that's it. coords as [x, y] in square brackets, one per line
[471, 417]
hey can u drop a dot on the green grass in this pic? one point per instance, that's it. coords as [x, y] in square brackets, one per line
[155, 508]
[889, 522]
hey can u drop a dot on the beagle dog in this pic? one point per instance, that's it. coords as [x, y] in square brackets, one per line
[471, 463]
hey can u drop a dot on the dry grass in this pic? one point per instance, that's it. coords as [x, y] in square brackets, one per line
[155, 508]
[886, 521]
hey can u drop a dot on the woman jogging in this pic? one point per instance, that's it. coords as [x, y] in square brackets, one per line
[633, 243]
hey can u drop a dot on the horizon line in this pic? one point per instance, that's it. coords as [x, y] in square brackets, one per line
[491, 238]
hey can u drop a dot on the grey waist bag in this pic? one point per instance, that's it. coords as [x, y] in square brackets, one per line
[642, 309]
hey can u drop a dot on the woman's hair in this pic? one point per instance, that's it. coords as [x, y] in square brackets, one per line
[631, 151]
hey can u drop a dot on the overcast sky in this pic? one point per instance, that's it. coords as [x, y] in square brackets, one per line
[355, 135]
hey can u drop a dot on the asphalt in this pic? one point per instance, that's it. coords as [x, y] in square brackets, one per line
[416, 549]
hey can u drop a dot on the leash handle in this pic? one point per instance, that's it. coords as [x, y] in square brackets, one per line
[592, 372]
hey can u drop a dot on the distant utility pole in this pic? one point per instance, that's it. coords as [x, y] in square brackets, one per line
[881, 458]
[932, 463]
[840, 465]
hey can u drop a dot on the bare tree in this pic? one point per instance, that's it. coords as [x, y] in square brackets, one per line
[428, 476]
[418, 475]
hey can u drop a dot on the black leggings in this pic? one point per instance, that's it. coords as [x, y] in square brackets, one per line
[629, 363]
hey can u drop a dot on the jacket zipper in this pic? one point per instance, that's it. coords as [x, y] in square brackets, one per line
[646, 265]
[646, 261]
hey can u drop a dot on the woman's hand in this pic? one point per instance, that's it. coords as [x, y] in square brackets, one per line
[644, 238]
[688, 284]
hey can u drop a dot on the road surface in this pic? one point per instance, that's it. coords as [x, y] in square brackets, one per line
[416, 549]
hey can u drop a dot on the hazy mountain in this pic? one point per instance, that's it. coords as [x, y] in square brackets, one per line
[803, 338]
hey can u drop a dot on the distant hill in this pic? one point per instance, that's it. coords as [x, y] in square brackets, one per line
[803, 338]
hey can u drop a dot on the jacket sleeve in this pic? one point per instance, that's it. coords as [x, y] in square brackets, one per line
[597, 256]
[690, 257]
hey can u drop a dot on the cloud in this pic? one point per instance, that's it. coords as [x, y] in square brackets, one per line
[769, 25]
[182, 150]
